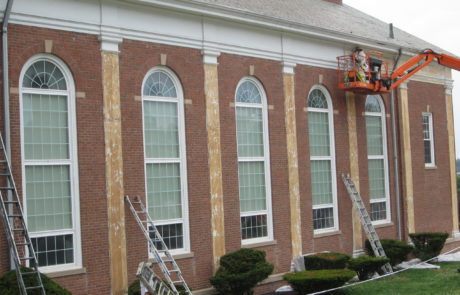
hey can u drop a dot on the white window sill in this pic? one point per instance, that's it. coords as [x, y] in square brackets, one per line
[431, 167]
[322, 234]
[380, 224]
[259, 244]
[176, 256]
[63, 271]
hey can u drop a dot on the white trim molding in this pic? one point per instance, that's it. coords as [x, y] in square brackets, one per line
[288, 67]
[210, 56]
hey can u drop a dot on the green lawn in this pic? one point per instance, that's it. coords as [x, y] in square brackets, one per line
[443, 281]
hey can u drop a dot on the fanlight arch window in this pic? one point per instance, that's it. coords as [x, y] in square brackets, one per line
[377, 159]
[253, 161]
[322, 160]
[50, 164]
[165, 156]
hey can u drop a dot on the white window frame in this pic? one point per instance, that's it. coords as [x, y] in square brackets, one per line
[431, 139]
[331, 158]
[182, 160]
[265, 159]
[383, 157]
[72, 162]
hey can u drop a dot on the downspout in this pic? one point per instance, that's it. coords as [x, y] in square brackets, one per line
[395, 155]
[6, 90]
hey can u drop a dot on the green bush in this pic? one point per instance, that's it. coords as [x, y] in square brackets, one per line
[135, 288]
[395, 250]
[428, 245]
[9, 284]
[240, 271]
[330, 260]
[366, 266]
[309, 281]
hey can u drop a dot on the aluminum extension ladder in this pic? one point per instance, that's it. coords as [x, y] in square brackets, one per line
[157, 247]
[19, 242]
[153, 283]
[365, 220]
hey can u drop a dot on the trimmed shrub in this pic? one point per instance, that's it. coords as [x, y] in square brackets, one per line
[428, 245]
[135, 288]
[309, 281]
[395, 250]
[240, 271]
[366, 266]
[9, 284]
[330, 260]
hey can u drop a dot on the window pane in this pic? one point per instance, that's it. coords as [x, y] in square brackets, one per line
[248, 93]
[161, 129]
[45, 127]
[44, 75]
[323, 218]
[254, 226]
[372, 104]
[159, 84]
[317, 100]
[374, 135]
[252, 186]
[321, 182]
[52, 250]
[249, 132]
[376, 179]
[48, 197]
[164, 191]
[427, 148]
[378, 211]
[318, 128]
[172, 235]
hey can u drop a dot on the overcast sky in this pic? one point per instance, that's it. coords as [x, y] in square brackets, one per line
[437, 22]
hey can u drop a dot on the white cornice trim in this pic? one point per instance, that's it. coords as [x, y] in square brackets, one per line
[210, 57]
[110, 38]
[288, 67]
[247, 17]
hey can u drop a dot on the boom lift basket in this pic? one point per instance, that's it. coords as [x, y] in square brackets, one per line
[365, 76]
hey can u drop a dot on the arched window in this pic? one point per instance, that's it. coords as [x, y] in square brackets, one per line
[165, 156]
[253, 161]
[377, 159]
[49, 159]
[322, 160]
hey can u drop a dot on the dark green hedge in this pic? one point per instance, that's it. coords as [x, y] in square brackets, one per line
[135, 288]
[428, 245]
[395, 250]
[318, 280]
[330, 260]
[366, 266]
[240, 271]
[9, 284]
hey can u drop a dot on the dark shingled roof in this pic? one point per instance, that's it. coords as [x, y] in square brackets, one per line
[326, 16]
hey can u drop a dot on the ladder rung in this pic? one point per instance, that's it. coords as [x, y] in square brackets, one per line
[15, 215]
[34, 287]
[27, 258]
[22, 244]
[140, 212]
[18, 229]
[10, 202]
[6, 188]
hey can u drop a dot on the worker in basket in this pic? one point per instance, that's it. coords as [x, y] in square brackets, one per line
[362, 67]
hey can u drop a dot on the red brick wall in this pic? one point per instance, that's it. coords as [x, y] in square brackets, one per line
[231, 70]
[82, 55]
[136, 59]
[305, 78]
[432, 193]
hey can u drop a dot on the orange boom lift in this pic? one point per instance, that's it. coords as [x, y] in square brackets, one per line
[367, 73]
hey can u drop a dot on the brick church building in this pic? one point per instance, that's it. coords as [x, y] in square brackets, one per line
[225, 117]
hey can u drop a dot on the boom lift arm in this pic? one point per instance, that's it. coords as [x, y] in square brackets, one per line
[370, 74]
